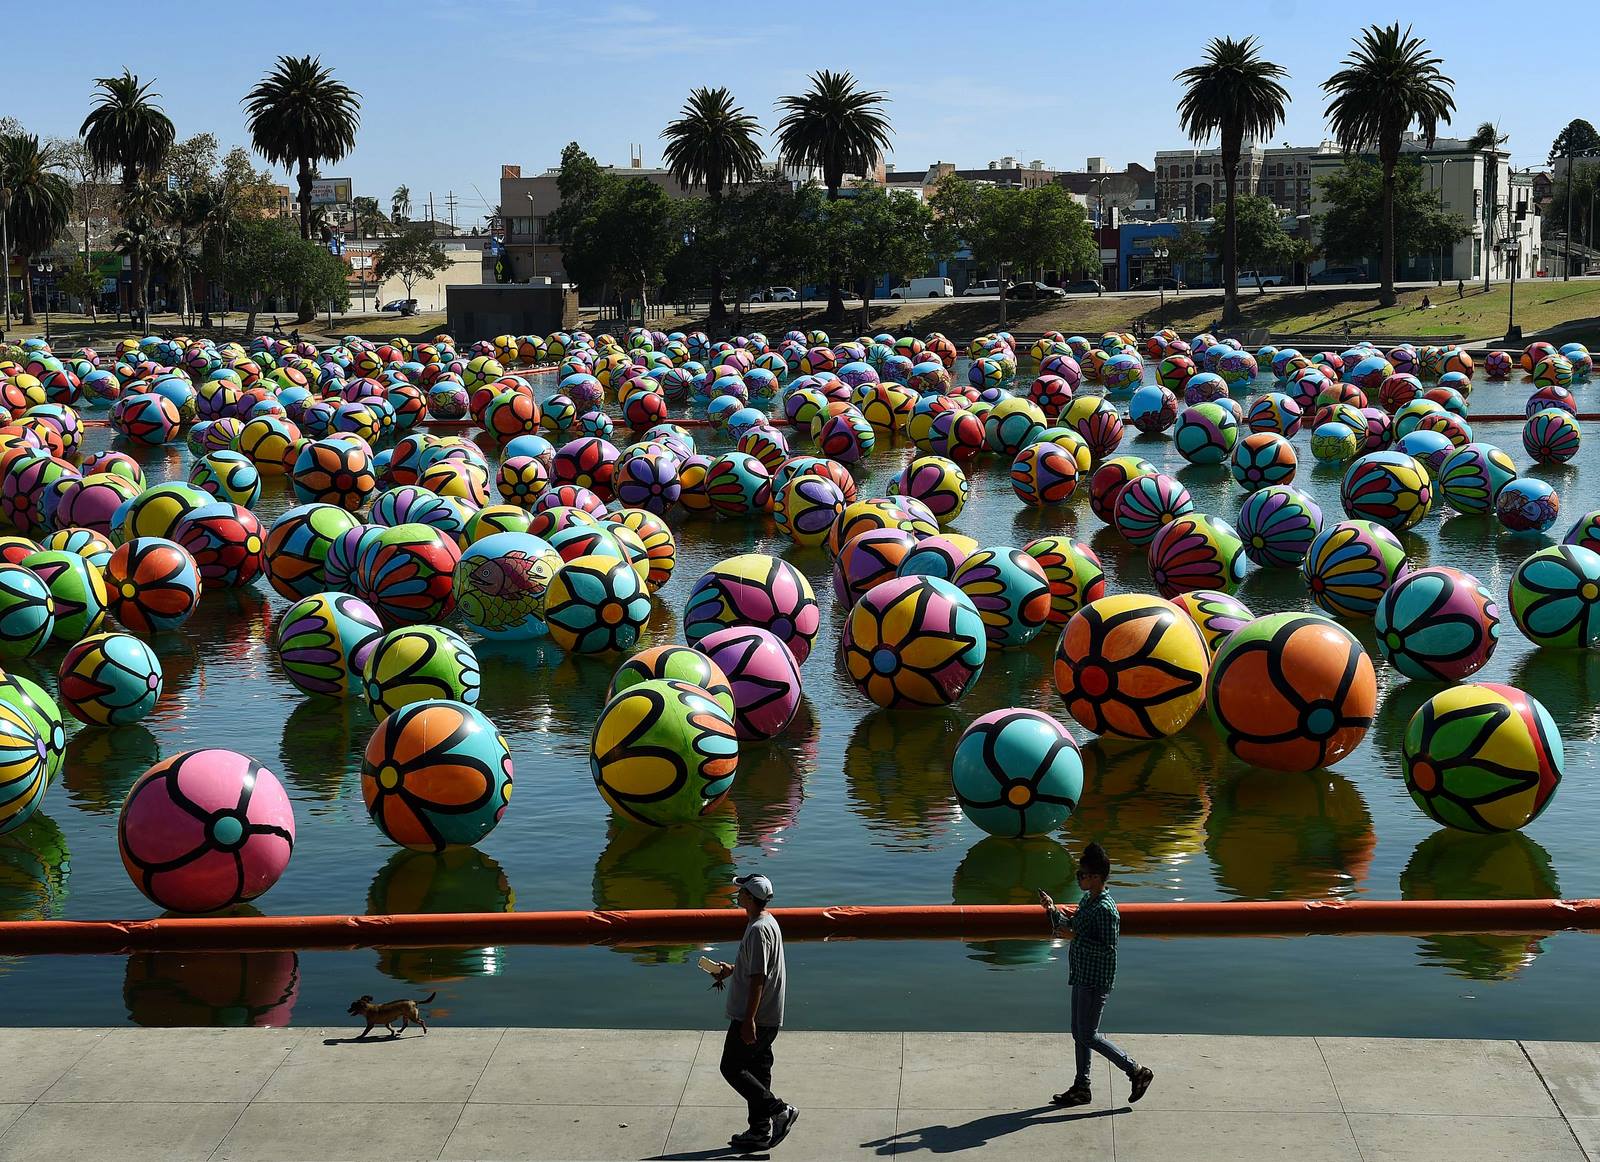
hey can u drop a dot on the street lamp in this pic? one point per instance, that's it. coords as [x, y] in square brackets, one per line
[1161, 254]
[45, 267]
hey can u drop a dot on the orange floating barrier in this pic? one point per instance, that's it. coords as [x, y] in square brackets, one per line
[699, 926]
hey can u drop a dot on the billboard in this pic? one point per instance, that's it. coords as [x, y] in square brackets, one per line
[330, 192]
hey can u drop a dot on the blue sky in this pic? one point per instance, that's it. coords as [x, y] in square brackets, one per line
[452, 90]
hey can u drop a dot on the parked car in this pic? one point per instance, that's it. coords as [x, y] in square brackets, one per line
[1339, 276]
[1164, 283]
[988, 286]
[1085, 286]
[1256, 278]
[775, 294]
[401, 306]
[925, 288]
[1034, 290]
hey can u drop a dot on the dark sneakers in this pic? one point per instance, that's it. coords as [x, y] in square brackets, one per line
[1078, 1095]
[782, 1123]
[1141, 1081]
[755, 1138]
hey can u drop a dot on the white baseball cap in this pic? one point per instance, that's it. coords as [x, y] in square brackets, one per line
[757, 885]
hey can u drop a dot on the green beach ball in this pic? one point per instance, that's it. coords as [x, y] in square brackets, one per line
[1555, 597]
[27, 613]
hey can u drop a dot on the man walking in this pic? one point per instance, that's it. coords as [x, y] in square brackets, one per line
[1092, 960]
[755, 1014]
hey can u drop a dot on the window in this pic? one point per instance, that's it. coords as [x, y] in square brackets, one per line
[521, 227]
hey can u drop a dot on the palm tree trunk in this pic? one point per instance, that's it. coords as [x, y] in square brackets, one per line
[130, 181]
[1230, 248]
[835, 311]
[1386, 295]
[28, 319]
[308, 309]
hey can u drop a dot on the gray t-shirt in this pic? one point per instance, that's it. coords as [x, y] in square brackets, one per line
[760, 954]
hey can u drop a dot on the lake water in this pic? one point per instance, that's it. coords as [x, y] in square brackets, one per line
[853, 806]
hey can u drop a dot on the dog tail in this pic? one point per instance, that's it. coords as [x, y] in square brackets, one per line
[428, 1000]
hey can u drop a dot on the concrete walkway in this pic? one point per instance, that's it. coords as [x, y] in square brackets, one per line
[574, 1094]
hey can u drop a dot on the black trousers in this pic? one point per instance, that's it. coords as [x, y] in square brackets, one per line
[748, 1069]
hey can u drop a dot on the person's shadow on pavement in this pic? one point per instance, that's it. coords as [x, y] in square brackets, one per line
[979, 1132]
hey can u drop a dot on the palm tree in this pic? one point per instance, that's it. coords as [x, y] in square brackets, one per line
[140, 237]
[1389, 82]
[400, 204]
[127, 130]
[838, 129]
[1234, 93]
[712, 143]
[1487, 138]
[299, 115]
[38, 202]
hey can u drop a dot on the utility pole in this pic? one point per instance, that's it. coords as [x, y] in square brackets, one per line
[450, 206]
[5, 250]
[430, 210]
[1566, 243]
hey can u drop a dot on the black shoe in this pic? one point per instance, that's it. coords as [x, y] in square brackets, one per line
[755, 1138]
[782, 1123]
[1078, 1095]
[1141, 1082]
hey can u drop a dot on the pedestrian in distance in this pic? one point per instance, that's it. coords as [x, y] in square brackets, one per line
[755, 1015]
[1092, 964]
[1461, 288]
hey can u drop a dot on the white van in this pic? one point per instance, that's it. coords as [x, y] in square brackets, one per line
[924, 288]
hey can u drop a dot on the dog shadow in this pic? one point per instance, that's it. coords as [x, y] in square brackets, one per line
[381, 1039]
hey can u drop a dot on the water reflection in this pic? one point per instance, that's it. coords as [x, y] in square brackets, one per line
[320, 751]
[897, 773]
[1568, 683]
[1397, 705]
[1274, 835]
[770, 787]
[688, 866]
[461, 879]
[34, 867]
[1146, 804]
[1457, 865]
[102, 764]
[182, 678]
[232, 989]
[1011, 871]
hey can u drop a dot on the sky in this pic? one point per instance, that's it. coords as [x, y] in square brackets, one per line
[453, 90]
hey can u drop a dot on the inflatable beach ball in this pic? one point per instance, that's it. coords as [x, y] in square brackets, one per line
[205, 829]
[436, 775]
[323, 642]
[1526, 504]
[1073, 571]
[1277, 526]
[1471, 477]
[25, 769]
[596, 604]
[1390, 488]
[755, 589]
[1131, 665]
[1017, 773]
[1291, 692]
[1350, 566]
[1483, 758]
[1214, 614]
[1555, 597]
[663, 752]
[500, 585]
[1205, 433]
[914, 641]
[762, 675]
[1195, 551]
[110, 679]
[1437, 623]
[1010, 591]
[418, 663]
[27, 613]
[678, 664]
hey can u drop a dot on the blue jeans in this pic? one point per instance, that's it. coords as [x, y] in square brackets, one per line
[1087, 1007]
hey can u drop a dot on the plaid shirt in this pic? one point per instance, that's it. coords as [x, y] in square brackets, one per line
[1092, 955]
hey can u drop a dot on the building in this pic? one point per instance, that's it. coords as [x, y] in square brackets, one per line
[1188, 182]
[1111, 194]
[1006, 172]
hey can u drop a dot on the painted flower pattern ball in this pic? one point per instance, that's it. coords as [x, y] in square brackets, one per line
[1017, 773]
[1483, 757]
[436, 775]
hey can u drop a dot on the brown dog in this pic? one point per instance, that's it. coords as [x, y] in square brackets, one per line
[405, 1011]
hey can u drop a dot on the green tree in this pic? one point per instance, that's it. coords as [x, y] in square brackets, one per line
[1052, 233]
[1354, 228]
[410, 256]
[713, 143]
[1234, 93]
[1259, 235]
[1187, 247]
[837, 129]
[269, 260]
[1390, 82]
[367, 218]
[81, 283]
[580, 181]
[299, 115]
[626, 240]
[1585, 178]
[877, 234]
[38, 202]
[127, 131]
[1577, 136]
[400, 205]
[1301, 253]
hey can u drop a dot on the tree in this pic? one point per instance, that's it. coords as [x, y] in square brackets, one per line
[838, 129]
[877, 234]
[1354, 228]
[1487, 138]
[128, 131]
[1234, 93]
[400, 205]
[1390, 82]
[298, 116]
[1187, 247]
[1585, 179]
[580, 181]
[625, 239]
[1052, 232]
[38, 202]
[713, 143]
[1576, 137]
[410, 256]
[366, 217]
[269, 260]
[81, 283]
[1259, 236]
[1301, 253]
